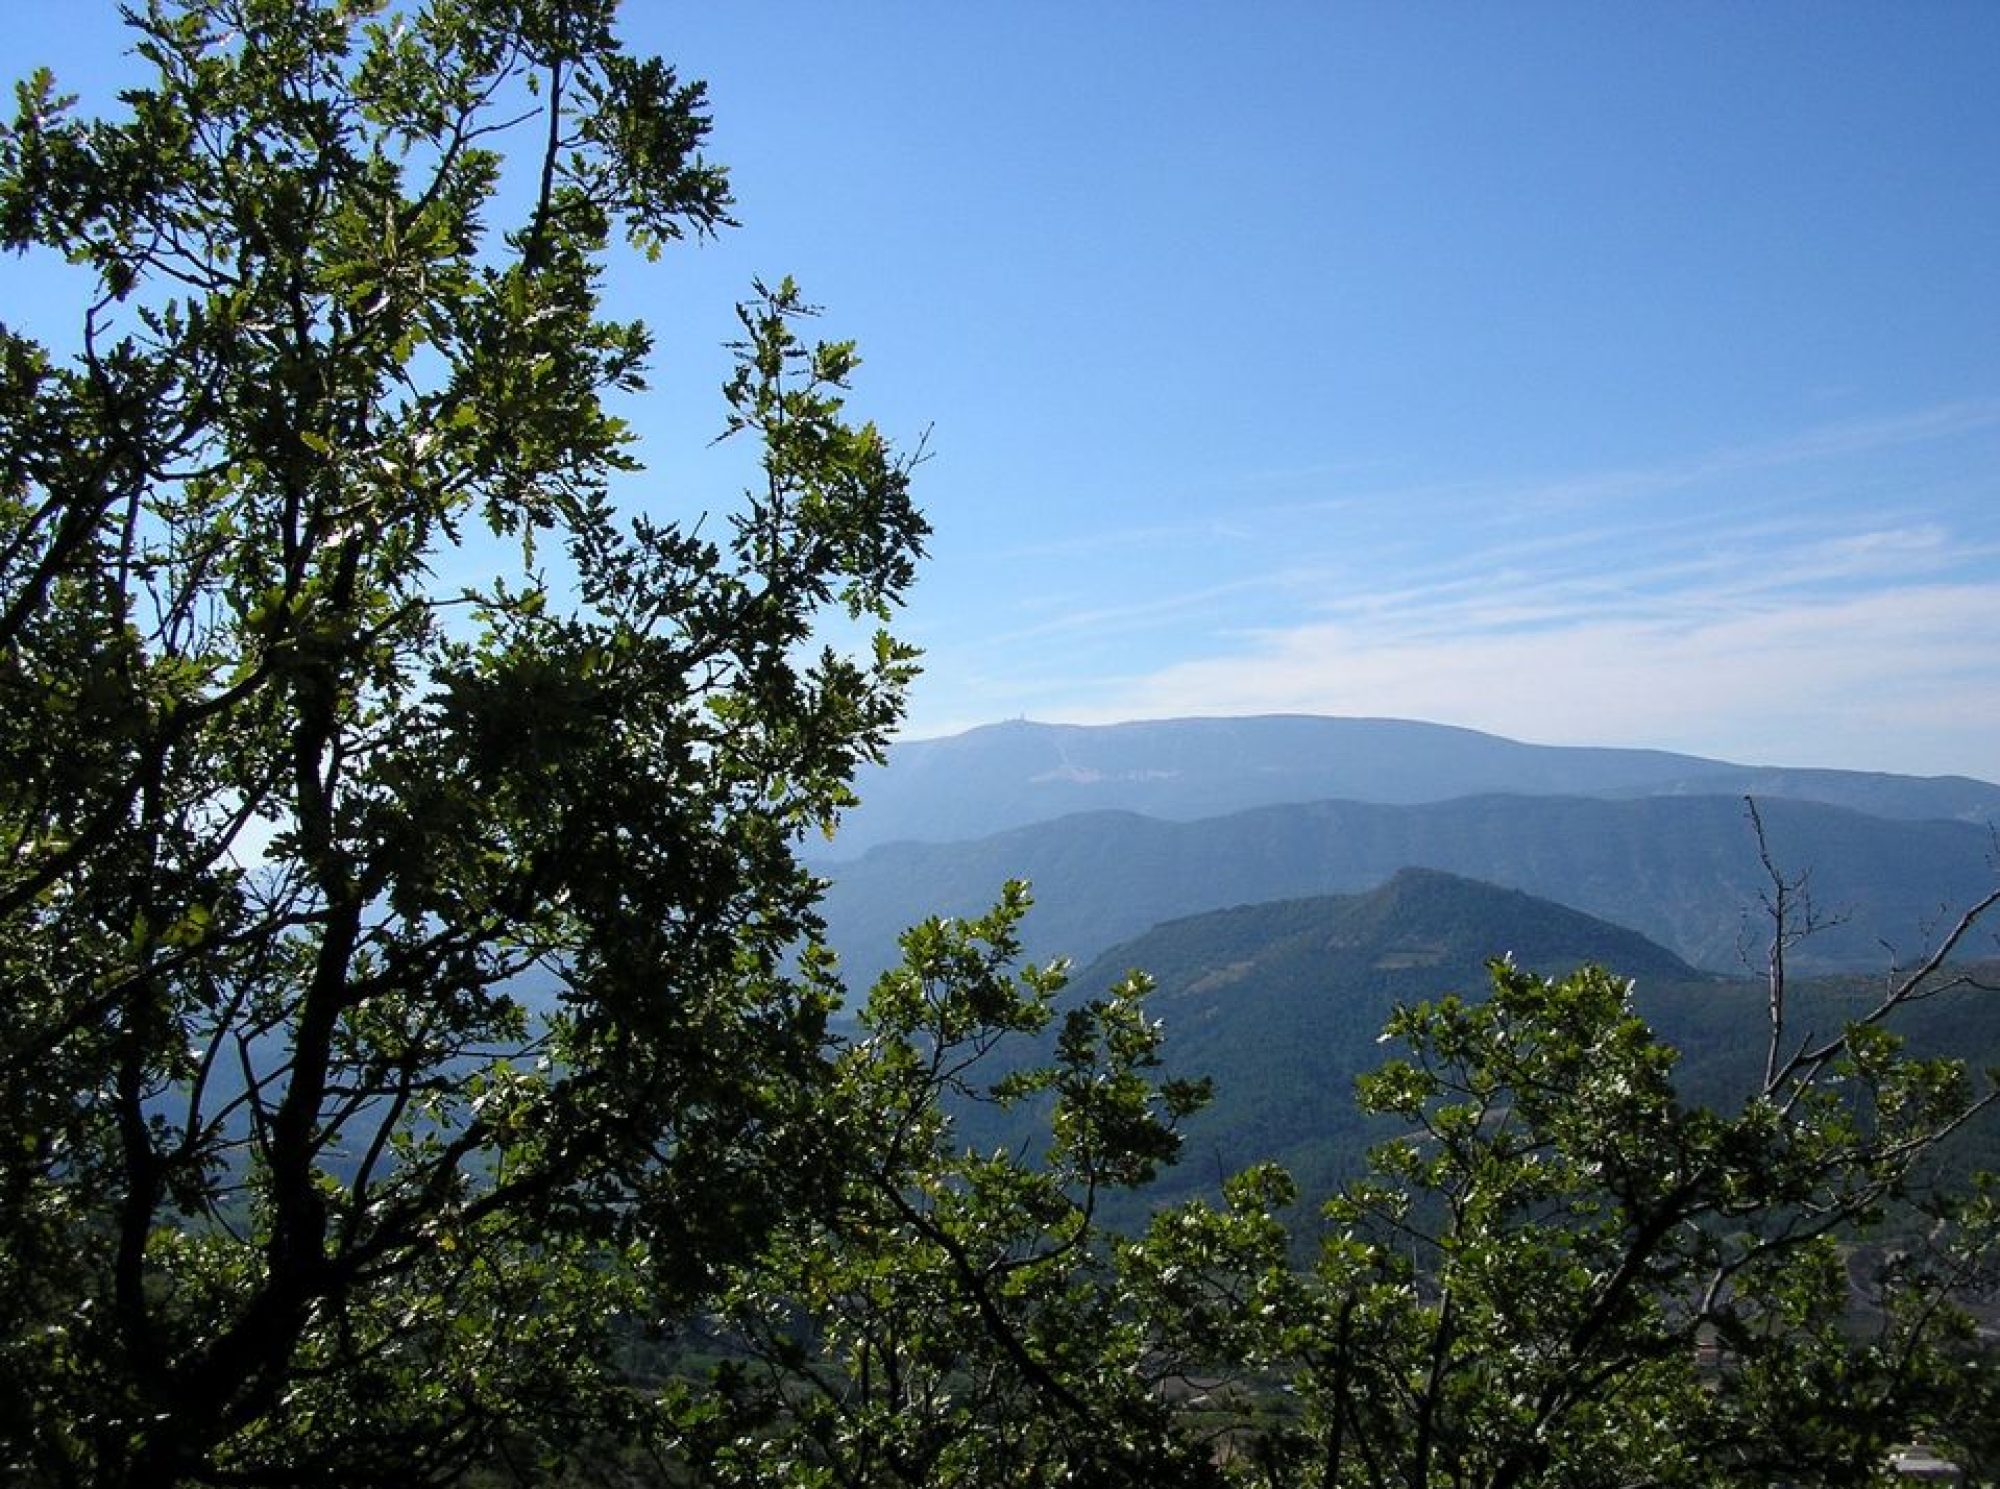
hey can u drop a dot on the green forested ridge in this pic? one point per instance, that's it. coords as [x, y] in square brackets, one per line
[1281, 1005]
[297, 1189]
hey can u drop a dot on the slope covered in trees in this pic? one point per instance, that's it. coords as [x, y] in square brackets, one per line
[1282, 1005]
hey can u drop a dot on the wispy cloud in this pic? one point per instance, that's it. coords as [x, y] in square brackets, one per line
[1677, 606]
[1841, 441]
[1904, 672]
[1127, 540]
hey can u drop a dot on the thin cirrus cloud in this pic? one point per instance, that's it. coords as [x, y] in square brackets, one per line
[1903, 674]
[1847, 441]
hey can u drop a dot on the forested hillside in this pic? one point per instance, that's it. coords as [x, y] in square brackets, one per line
[1283, 1005]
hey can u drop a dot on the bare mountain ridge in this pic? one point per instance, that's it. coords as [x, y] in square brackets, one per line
[1004, 776]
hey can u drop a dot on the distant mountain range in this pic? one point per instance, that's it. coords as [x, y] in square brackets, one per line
[1289, 880]
[1683, 870]
[1011, 775]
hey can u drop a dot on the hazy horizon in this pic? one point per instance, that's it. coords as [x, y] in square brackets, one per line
[1026, 721]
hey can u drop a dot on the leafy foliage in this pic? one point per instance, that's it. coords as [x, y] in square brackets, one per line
[396, 968]
[953, 1316]
[1558, 1273]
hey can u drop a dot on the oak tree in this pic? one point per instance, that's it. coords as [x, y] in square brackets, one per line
[951, 1314]
[399, 966]
[1560, 1272]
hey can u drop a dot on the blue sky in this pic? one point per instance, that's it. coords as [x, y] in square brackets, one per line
[1588, 374]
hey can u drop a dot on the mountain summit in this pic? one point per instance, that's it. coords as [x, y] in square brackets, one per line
[1283, 1003]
